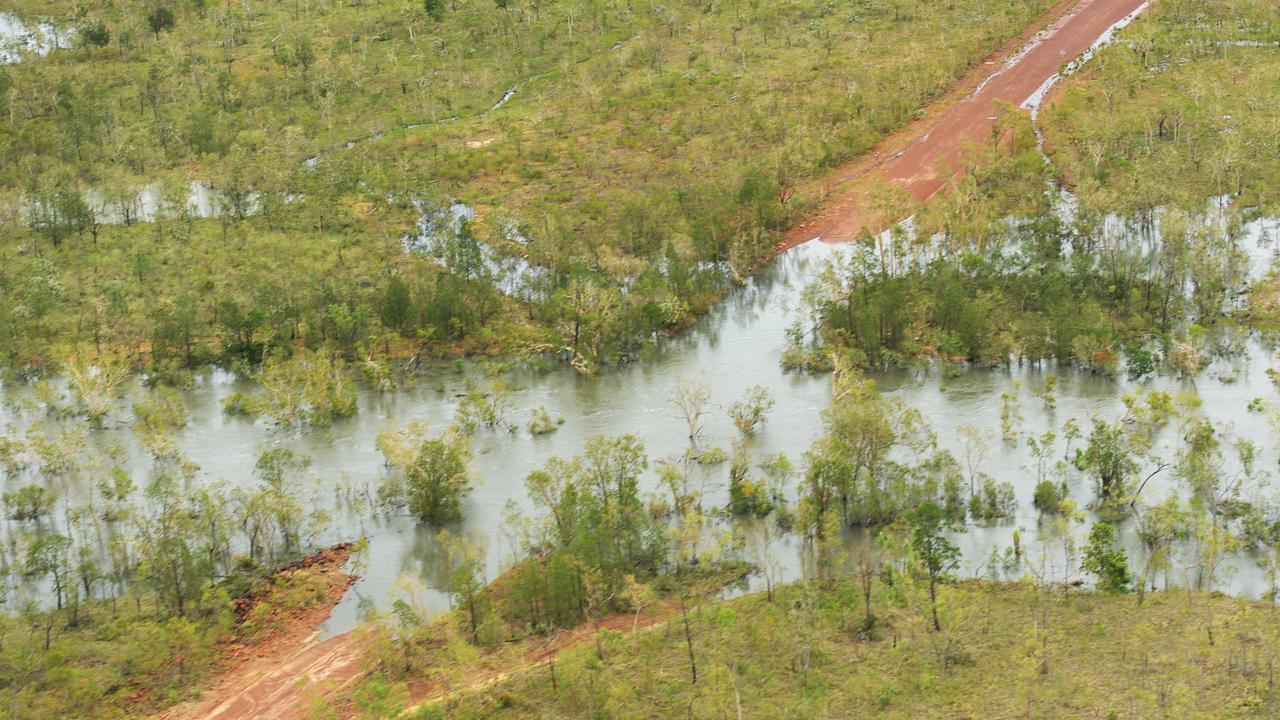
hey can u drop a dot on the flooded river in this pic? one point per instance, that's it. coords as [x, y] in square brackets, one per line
[737, 345]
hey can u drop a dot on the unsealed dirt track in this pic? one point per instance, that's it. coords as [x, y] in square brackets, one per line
[277, 676]
[922, 157]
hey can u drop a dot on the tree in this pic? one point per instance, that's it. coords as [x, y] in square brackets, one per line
[434, 8]
[1160, 528]
[171, 563]
[48, 555]
[1107, 562]
[870, 564]
[160, 18]
[750, 411]
[935, 553]
[437, 480]
[692, 396]
[28, 502]
[466, 577]
[1108, 458]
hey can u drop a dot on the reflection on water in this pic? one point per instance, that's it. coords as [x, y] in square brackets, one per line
[737, 345]
[18, 38]
[150, 203]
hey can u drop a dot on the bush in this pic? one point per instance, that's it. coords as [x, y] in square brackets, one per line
[542, 423]
[1049, 496]
[438, 480]
[94, 34]
[993, 501]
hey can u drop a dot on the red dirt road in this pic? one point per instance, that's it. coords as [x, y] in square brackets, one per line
[930, 153]
[282, 685]
[280, 675]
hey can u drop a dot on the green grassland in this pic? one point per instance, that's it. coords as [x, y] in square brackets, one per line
[1005, 651]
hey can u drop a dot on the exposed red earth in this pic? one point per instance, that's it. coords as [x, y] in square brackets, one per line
[277, 676]
[924, 156]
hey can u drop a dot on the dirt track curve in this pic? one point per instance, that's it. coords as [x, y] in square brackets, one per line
[922, 157]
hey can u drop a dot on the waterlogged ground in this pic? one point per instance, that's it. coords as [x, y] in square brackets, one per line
[738, 345]
[19, 38]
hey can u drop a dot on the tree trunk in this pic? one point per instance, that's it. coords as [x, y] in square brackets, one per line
[688, 640]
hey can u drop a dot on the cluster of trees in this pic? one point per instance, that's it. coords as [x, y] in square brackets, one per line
[132, 590]
[1030, 284]
[877, 460]
[118, 577]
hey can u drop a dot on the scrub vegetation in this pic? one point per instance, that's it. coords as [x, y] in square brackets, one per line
[594, 169]
[564, 182]
[1004, 651]
[1181, 111]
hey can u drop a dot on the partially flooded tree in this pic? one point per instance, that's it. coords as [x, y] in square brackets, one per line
[438, 479]
[1160, 528]
[1109, 458]
[692, 397]
[1105, 561]
[749, 412]
[467, 588]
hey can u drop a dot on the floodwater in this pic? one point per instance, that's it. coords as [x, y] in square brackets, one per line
[737, 345]
[19, 38]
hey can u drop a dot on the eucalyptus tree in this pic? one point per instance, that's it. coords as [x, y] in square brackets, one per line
[931, 548]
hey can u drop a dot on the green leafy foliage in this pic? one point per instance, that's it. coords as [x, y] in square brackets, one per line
[1105, 561]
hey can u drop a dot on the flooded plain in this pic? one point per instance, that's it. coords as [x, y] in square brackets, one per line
[737, 345]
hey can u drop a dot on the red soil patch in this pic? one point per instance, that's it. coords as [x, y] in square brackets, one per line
[278, 673]
[922, 157]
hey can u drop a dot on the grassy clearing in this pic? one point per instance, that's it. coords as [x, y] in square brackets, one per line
[1006, 650]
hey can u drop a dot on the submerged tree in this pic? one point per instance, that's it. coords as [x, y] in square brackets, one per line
[1108, 457]
[749, 412]
[692, 397]
[437, 480]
